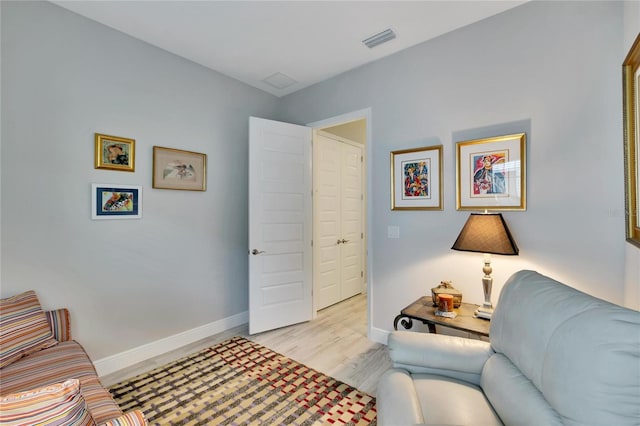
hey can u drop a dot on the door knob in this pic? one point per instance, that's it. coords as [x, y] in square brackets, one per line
[344, 241]
[256, 251]
[339, 242]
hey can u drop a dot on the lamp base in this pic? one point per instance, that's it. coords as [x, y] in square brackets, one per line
[484, 312]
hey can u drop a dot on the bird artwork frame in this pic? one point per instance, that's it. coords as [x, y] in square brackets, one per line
[179, 169]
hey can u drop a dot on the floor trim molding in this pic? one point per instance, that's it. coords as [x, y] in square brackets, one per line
[379, 335]
[125, 359]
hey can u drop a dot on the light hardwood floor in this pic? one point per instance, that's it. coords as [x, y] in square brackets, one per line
[335, 343]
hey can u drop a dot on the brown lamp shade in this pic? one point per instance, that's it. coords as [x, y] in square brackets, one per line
[486, 233]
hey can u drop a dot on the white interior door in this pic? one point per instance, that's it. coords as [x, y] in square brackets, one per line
[280, 225]
[351, 221]
[338, 212]
[327, 169]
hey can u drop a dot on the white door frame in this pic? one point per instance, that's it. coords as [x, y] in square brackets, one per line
[341, 119]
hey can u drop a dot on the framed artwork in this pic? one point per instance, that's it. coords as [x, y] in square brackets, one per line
[631, 109]
[491, 173]
[110, 201]
[177, 169]
[416, 179]
[115, 153]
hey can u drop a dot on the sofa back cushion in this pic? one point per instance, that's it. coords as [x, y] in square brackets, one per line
[513, 396]
[580, 352]
[23, 327]
[57, 404]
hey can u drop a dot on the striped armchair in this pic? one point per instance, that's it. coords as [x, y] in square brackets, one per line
[58, 374]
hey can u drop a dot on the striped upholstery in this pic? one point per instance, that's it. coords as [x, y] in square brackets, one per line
[57, 364]
[54, 405]
[132, 418]
[24, 328]
[59, 321]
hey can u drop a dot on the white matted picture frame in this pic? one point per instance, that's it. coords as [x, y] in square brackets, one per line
[111, 201]
[416, 178]
[491, 173]
[179, 169]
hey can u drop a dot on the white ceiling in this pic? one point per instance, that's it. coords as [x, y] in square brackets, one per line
[308, 41]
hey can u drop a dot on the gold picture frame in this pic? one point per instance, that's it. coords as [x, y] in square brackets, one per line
[491, 173]
[115, 153]
[416, 179]
[179, 169]
[631, 108]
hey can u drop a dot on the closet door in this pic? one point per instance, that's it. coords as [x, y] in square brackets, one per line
[338, 220]
[326, 245]
[351, 220]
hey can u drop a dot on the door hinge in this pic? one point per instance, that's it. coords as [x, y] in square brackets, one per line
[362, 235]
[361, 274]
[311, 243]
[361, 159]
[361, 197]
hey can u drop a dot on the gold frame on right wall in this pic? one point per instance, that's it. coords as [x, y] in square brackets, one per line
[630, 98]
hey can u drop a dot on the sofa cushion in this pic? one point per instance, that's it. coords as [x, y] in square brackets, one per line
[57, 404]
[513, 396]
[24, 328]
[132, 418]
[59, 321]
[397, 401]
[431, 399]
[448, 401]
[580, 352]
[57, 364]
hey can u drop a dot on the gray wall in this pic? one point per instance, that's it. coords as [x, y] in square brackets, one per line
[551, 69]
[126, 282]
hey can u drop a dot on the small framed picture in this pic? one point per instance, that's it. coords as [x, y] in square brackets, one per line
[491, 173]
[178, 169]
[416, 179]
[110, 201]
[115, 153]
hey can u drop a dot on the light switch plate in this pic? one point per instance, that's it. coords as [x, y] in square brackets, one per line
[393, 232]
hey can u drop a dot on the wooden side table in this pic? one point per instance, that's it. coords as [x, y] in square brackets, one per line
[424, 311]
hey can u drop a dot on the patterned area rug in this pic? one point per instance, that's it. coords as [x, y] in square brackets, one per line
[239, 382]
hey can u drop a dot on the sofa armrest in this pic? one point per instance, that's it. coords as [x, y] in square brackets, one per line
[430, 353]
[131, 418]
[60, 323]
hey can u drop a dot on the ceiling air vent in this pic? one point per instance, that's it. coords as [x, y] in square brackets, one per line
[381, 37]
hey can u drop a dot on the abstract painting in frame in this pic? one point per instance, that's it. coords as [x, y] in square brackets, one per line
[114, 153]
[110, 201]
[178, 169]
[416, 179]
[491, 173]
[631, 104]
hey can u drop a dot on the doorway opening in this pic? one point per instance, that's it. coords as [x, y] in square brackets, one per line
[281, 251]
[352, 132]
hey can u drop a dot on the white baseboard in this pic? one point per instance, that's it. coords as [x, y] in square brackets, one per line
[133, 356]
[379, 335]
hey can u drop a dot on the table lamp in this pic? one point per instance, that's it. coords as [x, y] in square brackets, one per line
[486, 233]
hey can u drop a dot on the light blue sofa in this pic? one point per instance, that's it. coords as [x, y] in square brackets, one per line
[556, 356]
